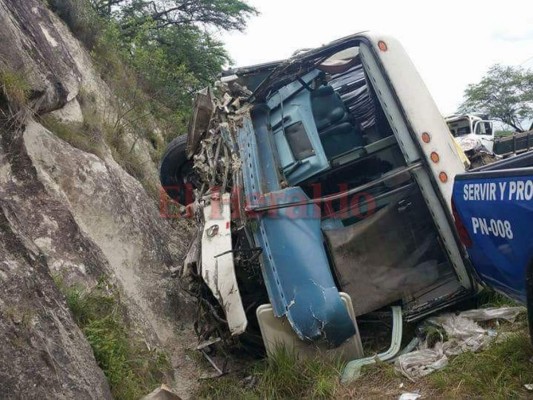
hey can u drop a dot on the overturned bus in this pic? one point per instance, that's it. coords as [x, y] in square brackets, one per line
[322, 188]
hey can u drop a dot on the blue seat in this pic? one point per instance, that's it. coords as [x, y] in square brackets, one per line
[337, 133]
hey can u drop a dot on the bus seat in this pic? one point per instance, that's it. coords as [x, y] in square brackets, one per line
[337, 134]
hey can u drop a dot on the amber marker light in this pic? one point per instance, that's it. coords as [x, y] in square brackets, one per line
[435, 157]
[426, 138]
[382, 45]
[443, 177]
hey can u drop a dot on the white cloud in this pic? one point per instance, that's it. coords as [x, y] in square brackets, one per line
[452, 43]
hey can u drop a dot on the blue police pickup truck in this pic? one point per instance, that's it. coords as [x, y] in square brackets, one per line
[493, 211]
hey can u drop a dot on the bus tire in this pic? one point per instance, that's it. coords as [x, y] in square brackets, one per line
[176, 173]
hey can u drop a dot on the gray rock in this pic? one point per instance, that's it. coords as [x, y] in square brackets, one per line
[64, 211]
[44, 355]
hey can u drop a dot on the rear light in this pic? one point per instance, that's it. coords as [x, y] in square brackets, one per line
[461, 228]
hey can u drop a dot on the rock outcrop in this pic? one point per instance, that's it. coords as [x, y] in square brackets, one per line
[44, 354]
[68, 212]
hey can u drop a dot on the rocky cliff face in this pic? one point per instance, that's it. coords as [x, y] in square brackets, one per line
[43, 353]
[68, 212]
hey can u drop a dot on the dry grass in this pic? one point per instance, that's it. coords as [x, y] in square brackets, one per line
[379, 381]
[93, 135]
[14, 86]
[84, 136]
[14, 94]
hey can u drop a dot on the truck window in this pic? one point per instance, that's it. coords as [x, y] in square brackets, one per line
[460, 127]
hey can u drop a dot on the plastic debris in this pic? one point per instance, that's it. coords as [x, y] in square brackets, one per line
[162, 393]
[463, 334]
[420, 363]
[529, 386]
[486, 314]
[409, 396]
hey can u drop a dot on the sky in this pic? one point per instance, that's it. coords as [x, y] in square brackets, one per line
[452, 43]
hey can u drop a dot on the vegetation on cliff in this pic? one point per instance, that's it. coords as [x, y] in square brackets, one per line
[155, 54]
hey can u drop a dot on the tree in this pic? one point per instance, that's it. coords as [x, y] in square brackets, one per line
[505, 93]
[154, 53]
[171, 43]
[223, 14]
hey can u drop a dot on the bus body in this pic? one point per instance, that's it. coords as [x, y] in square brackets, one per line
[331, 172]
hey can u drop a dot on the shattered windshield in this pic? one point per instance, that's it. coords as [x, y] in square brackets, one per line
[460, 127]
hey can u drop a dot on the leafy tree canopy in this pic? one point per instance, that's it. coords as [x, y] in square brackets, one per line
[155, 53]
[505, 93]
[223, 14]
[170, 44]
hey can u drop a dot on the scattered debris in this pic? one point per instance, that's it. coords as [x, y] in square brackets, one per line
[250, 381]
[207, 343]
[486, 314]
[162, 393]
[463, 334]
[210, 360]
[529, 387]
[409, 396]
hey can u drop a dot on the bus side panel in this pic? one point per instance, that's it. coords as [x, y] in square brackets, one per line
[497, 212]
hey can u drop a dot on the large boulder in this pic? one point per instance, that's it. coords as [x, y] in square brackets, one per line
[70, 213]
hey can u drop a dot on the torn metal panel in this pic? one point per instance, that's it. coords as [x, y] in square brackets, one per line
[295, 266]
[192, 260]
[298, 278]
[352, 370]
[201, 118]
[218, 269]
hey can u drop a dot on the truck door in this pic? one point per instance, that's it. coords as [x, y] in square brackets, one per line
[485, 132]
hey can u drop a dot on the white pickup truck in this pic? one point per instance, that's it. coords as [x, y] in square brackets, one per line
[472, 132]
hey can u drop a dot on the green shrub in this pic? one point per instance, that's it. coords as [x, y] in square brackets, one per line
[123, 153]
[281, 376]
[132, 370]
[84, 136]
[15, 89]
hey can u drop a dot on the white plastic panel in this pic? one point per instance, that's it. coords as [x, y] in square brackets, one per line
[278, 332]
[218, 269]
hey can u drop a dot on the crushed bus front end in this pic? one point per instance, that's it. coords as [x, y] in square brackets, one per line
[312, 196]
